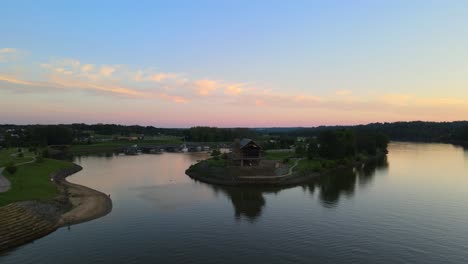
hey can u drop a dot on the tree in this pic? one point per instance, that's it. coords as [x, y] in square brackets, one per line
[215, 153]
[300, 149]
[39, 159]
[312, 149]
[45, 153]
[11, 168]
[337, 144]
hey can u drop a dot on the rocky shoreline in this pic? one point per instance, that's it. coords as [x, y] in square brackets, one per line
[23, 222]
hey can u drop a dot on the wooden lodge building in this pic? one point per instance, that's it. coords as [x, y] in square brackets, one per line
[246, 152]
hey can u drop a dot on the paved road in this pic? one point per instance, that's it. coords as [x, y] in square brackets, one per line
[4, 182]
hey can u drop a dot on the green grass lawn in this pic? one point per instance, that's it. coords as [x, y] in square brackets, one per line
[212, 162]
[315, 165]
[31, 182]
[309, 165]
[5, 156]
[278, 155]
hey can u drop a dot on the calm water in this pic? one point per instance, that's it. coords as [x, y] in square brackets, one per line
[412, 208]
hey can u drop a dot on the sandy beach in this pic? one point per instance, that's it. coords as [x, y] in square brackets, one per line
[88, 204]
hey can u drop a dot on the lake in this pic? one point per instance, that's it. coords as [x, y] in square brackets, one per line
[410, 208]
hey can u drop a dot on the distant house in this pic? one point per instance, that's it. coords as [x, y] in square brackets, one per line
[246, 152]
[301, 139]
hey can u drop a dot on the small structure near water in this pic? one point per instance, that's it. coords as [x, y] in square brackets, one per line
[246, 152]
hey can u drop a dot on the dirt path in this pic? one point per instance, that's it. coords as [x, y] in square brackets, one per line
[274, 177]
[4, 182]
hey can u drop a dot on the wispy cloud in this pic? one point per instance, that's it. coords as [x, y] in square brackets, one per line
[107, 71]
[14, 80]
[206, 87]
[7, 50]
[7, 54]
[121, 81]
[151, 76]
[343, 92]
[234, 89]
[87, 68]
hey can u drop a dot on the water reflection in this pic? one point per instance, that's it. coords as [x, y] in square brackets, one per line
[366, 173]
[343, 182]
[173, 196]
[248, 202]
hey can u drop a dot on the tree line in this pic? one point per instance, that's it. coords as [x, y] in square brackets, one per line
[343, 143]
[42, 135]
[404, 131]
[215, 134]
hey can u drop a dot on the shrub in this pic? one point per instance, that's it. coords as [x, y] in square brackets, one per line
[20, 155]
[45, 153]
[11, 168]
[39, 159]
[285, 160]
[216, 162]
[328, 164]
[215, 152]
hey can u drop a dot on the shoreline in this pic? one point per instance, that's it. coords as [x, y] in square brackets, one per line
[74, 205]
[282, 181]
[87, 204]
[289, 179]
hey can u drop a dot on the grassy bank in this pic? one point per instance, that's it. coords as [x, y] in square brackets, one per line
[278, 155]
[6, 156]
[314, 165]
[31, 182]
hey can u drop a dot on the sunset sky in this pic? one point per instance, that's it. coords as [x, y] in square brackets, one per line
[233, 63]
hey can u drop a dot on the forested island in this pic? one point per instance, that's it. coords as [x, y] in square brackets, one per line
[248, 163]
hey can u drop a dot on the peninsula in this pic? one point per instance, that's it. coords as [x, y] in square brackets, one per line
[37, 199]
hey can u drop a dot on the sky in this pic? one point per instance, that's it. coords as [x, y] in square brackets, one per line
[233, 63]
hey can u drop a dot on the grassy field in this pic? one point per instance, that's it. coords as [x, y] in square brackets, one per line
[278, 155]
[315, 165]
[216, 162]
[6, 156]
[31, 182]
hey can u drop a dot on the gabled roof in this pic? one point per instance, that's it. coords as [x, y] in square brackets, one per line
[245, 141]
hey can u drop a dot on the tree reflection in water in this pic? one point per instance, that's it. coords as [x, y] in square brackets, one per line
[248, 202]
[343, 182]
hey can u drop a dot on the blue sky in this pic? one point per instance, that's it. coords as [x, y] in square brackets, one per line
[335, 53]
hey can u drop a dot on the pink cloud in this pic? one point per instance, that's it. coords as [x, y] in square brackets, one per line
[206, 87]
